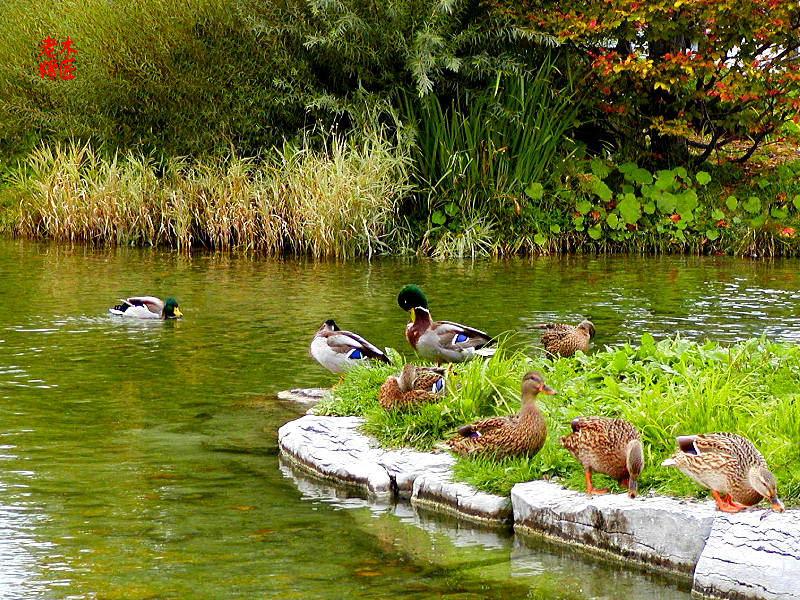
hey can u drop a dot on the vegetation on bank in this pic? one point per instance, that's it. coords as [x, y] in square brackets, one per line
[340, 201]
[666, 388]
[350, 196]
[502, 127]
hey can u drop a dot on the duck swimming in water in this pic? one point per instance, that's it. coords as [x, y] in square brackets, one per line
[147, 307]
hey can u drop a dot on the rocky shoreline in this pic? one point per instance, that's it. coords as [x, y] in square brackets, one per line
[753, 555]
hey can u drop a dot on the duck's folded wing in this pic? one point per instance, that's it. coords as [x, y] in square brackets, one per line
[456, 336]
[152, 303]
[708, 443]
[579, 424]
[486, 425]
[556, 331]
[347, 341]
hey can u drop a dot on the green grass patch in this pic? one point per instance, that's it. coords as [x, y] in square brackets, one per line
[666, 388]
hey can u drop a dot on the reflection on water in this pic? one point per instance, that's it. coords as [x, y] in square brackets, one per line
[138, 459]
[494, 558]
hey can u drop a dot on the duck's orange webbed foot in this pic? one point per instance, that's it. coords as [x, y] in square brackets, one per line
[726, 504]
[589, 487]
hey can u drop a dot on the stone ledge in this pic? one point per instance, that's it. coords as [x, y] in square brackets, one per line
[658, 532]
[440, 493]
[333, 448]
[304, 395]
[752, 555]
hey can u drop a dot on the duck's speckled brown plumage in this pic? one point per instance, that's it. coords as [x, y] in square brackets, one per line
[728, 464]
[610, 446]
[522, 434]
[565, 340]
[411, 387]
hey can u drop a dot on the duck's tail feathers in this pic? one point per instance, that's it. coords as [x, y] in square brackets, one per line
[635, 457]
[441, 445]
[383, 358]
[670, 462]
[119, 309]
[485, 352]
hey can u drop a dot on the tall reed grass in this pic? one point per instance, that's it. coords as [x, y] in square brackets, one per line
[337, 202]
[484, 148]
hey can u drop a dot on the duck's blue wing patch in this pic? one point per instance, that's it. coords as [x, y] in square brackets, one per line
[460, 337]
[355, 354]
[437, 387]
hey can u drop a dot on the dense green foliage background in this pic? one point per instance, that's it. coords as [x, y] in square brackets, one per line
[496, 109]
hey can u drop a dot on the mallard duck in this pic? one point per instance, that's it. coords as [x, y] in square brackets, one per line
[411, 387]
[727, 464]
[147, 307]
[609, 446]
[338, 350]
[565, 340]
[522, 434]
[440, 341]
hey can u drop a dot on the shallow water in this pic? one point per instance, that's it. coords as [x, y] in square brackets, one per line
[138, 459]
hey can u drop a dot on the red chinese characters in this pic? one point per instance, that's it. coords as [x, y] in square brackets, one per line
[54, 62]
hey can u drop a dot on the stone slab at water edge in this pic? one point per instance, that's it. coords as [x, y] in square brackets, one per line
[333, 448]
[753, 555]
[658, 532]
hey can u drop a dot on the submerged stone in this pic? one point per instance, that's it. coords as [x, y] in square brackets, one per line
[304, 395]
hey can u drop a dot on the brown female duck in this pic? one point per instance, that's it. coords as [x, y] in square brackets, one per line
[522, 434]
[565, 340]
[609, 446]
[727, 464]
[412, 387]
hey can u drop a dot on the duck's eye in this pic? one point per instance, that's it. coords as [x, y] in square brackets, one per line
[460, 337]
[355, 354]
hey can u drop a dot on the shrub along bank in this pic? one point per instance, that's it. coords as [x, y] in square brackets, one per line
[364, 195]
[666, 388]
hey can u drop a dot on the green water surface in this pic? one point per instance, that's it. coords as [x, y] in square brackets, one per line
[138, 459]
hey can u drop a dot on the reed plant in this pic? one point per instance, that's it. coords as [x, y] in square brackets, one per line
[339, 201]
[666, 388]
[484, 148]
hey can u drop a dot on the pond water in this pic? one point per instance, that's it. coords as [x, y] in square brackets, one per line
[138, 459]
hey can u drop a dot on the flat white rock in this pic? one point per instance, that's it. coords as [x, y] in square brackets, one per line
[751, 554]
[304, 395]
[657, 531]
[335, 448]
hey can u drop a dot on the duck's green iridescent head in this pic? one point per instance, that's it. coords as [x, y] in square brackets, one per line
[171, 310]
[411, 297]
